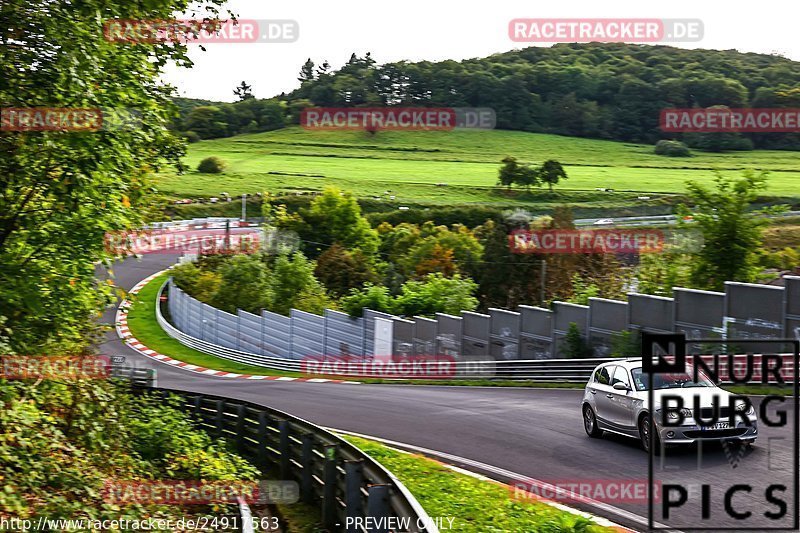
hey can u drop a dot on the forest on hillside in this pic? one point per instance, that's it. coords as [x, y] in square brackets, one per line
[599, 90]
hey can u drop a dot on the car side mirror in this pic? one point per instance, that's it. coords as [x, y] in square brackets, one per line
[621, 386]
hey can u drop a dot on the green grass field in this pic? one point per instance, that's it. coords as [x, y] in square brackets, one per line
[411, 164]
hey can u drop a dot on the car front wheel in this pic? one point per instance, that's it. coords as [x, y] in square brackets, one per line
[645, 427]
[590, 422]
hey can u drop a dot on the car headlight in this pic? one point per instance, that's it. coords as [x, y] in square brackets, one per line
[743, 407]
[673, 413]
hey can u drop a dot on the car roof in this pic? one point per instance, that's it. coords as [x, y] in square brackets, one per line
[631, 362]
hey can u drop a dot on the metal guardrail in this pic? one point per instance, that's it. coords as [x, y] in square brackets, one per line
[332, 473]
[139, 377]
[564, 370]
[535, 370]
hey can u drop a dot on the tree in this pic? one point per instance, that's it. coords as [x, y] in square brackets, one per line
[211, 165]
[61, 192]
[508, 173]
[243, 91]
[306, 71]
[672, 149]
[527, 177]
[441, 250]
[335, 217]
[551, 172]
[209, 122]
[732, 233]
[341, 270]
[575, 346]
[374, 297]
[293, 285]
[243, 285]
[437, 294]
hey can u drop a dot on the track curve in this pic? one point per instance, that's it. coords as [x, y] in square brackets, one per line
[530, 432]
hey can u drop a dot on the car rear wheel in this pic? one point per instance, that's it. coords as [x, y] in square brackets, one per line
[590, 422]
[645, 427]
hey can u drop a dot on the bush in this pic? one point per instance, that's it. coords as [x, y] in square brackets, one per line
[191, 136]
[211, 165]
[672, 149]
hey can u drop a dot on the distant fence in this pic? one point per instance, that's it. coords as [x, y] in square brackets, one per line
[501, 337]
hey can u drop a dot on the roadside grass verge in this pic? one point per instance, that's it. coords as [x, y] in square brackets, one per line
[475, 505]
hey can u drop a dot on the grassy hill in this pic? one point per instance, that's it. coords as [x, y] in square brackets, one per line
[411, 164]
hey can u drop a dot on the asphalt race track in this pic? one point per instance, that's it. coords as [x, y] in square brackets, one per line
[529, 432]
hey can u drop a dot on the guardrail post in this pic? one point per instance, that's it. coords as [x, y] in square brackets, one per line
[307, 460]
[284, 448]
[330, 474]
[219, 416]
[354, 507]
[198, 406]
[241, 413]
[378, 507]
[262, 457]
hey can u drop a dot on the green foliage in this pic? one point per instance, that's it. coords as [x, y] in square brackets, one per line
[437, 294]
[626, 344]
[602, 90]
[437, 249]
[211, 165]
[731, 233]
[575, 346]
[61, 192]
[61, 441]
[246, 283]
[672, 148]
[340, 270]
[191, 136]
[551, 172]
[583, 290]
[375, 297]
[785, 259]
[658, 273]
[293, 285]
[334, 217]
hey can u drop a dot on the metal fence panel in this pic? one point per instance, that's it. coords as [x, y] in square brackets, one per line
[698, 314]
[308, 334]
[448, 335]
[369, 329]
[504, 334]
[476, 330]
[402, 338]
[607, 319]
[654, 314]
[424, 336]
[565, 314]
[276, 334]
[536, 333]
[754, 312]
[250, 327]
[344, 335]
[209, 326]
[792, 307]
[227, 329]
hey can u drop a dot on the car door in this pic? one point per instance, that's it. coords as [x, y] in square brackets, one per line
[621, 402]
[600, 389]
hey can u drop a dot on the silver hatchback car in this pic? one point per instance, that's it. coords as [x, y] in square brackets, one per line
[616, 400]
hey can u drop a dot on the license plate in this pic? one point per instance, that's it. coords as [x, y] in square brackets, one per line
[718, 425]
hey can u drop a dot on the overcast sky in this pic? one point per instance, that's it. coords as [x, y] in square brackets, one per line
[447, 29]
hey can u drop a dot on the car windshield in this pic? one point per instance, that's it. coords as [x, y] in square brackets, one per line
[675, 380]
